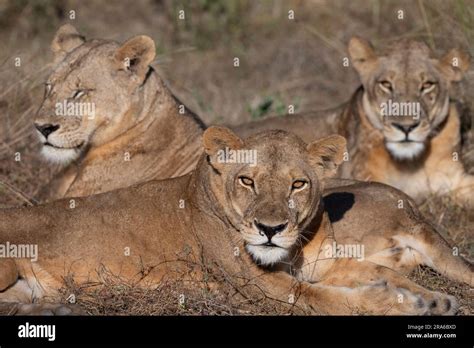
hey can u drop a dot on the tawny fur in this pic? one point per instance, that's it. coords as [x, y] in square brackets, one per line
[139, 132]
[437, 163]
[206, 215]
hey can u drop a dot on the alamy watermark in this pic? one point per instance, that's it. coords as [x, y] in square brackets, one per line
[28, 330]
[19, 251]
[237, 156]
[392, 108]
[353, 251]
[76, 109]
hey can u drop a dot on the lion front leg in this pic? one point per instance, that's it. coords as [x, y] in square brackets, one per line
[424, 246]
[22, 285]
[283, 287]
[8, 273]
[40, 309]
[379, 290]
[379, 296]
[19, 299]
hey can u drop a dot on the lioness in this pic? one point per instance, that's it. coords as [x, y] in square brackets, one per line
[402, 127]
[109, 117]
[270, 210]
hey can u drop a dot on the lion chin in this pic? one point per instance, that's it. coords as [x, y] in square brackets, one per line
[265, 255]
[59, 155]
[405, 151]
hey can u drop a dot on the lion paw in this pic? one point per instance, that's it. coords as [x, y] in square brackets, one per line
[47, 309]
[383, 298]
[427, 303]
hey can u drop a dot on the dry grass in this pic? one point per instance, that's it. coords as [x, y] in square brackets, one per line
[281, 62]
[433, 281]
[455, 222]
[456, 225]
[214, 295]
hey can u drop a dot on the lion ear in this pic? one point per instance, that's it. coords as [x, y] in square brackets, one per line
[454, 64]
[67, 38]
[216, 139]
[135, 55]
[362, 55]
[327, 154]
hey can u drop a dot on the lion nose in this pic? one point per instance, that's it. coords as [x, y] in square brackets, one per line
[406, 128]
[46, 129]
[269, 231]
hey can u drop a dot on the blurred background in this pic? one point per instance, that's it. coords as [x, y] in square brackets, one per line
[282, 61]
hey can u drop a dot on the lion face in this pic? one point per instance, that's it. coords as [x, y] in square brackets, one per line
[91, 93]
[272, 196]
[406, 92]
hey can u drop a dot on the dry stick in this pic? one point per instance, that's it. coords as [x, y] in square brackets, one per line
[13, 85]
[162, 58]
[23, 115]
[331, 43]
[415, 33]
[452, 23]
[28, 200]
[427, 25]
[293, 84]
[23, 130]
[21, 134]
[4, 147]
[376, 13]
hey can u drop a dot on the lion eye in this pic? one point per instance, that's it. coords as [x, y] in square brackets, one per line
[47, 89]
[298, 184]
[386, 86]
[428, 86]
[79, 93]
[246, 181]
